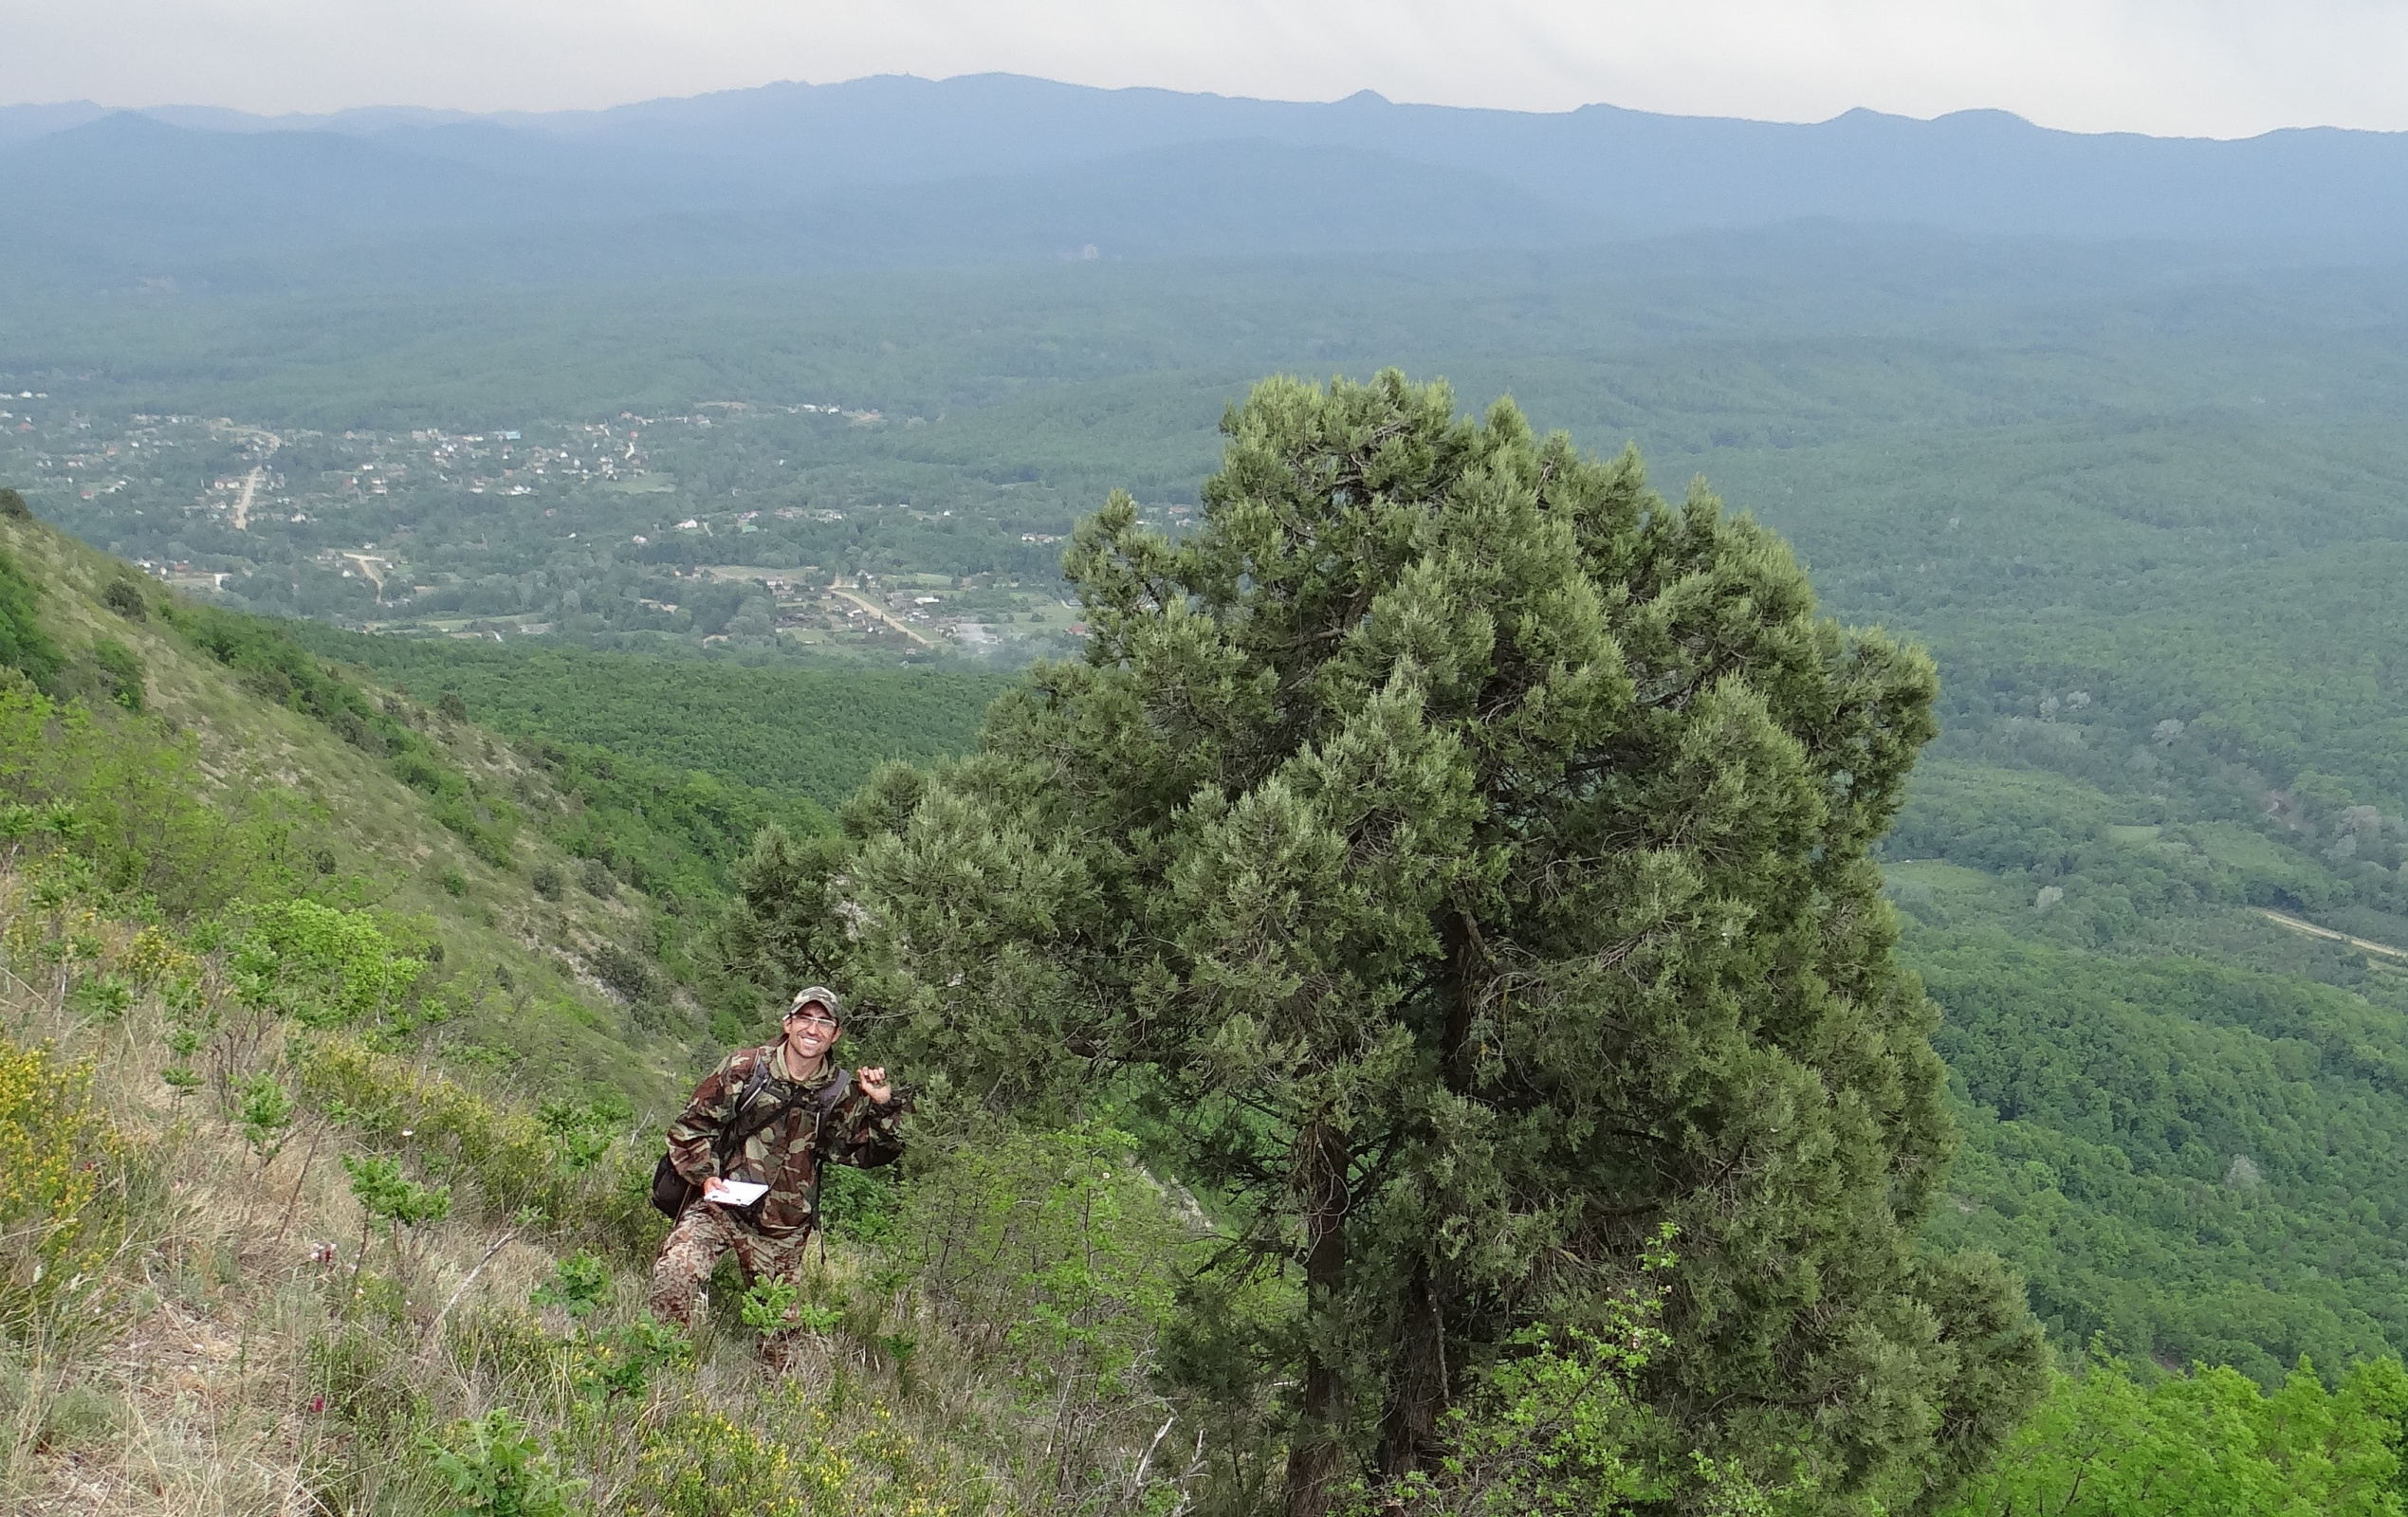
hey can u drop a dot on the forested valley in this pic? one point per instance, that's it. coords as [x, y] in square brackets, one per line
[398, 909]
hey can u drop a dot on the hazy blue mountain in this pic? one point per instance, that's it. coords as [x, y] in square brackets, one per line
[897, 172]
[1973, 170]
[128, 195]
[23, 123]
[357, 121]
[20, 123]
[1976, 171]
[129, 198]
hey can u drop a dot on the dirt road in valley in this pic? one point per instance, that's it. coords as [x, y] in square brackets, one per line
[882, 615]
[369, 567]
[242, 501]
[2362, 944]
[250, 482]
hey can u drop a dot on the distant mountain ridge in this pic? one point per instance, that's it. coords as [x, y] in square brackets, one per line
[985, 168]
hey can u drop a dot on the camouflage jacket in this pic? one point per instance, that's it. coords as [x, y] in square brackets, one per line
[788, 1152]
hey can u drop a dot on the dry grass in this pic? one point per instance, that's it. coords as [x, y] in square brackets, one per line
[178, 1392]
[223, 1361]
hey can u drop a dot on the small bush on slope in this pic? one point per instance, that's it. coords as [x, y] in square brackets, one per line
[24, 646]
[64, 1191]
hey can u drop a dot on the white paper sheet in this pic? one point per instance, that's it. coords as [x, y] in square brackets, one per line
[733, 1192]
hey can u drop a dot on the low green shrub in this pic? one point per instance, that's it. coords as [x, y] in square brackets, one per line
[579, 1285]
[859, 1204]
[794, 1456]
[121, 673]
[506, 1153]
[623, 972]
[63, 1188]
[582, 1131]
[492, 1467]
[322, 965]
[266, 1117]
[24, 646]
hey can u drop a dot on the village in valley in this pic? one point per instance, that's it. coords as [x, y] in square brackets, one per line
[631, 531]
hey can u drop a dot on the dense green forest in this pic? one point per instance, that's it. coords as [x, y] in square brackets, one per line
[808, 735]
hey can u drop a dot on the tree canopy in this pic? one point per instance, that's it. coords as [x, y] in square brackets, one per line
[1464, 853]
[2105, 1445]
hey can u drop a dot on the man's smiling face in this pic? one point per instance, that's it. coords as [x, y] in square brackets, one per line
[810, 1030]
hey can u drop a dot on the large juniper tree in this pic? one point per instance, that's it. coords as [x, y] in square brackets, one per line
[1470, 850]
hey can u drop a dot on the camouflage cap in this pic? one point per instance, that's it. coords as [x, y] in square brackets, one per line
[820, 993]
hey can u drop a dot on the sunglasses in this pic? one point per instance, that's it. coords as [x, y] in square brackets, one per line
[813, 1018]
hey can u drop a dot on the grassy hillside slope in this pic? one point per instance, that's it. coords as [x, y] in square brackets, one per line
[258, 1260]
[351, 829]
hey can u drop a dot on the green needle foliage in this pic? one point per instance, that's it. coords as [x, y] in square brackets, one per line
[404, 1205]
[388, 1196]
[266, 1116]
[768, 1307]
[1467, 850]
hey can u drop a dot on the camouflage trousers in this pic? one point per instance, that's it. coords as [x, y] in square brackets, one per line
[693, 1247]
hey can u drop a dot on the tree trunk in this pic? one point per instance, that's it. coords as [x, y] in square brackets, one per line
[1418, 1386]
[1315, 1451]
[1466, 966]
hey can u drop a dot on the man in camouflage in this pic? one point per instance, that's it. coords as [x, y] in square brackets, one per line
[827, 1119]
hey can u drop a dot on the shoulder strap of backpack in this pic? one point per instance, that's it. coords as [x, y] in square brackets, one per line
[731, 1137]
[835, 1090]
[753, 1082]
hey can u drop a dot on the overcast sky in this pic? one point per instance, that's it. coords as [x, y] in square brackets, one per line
[2196, 68]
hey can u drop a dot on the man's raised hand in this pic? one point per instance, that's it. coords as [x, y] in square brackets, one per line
[874, 1084]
